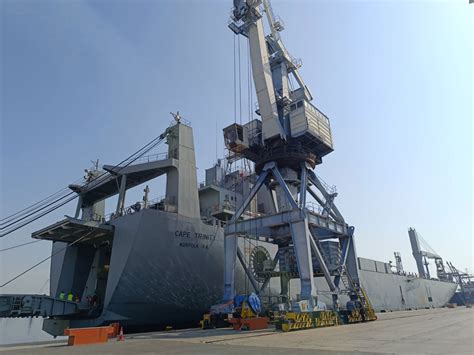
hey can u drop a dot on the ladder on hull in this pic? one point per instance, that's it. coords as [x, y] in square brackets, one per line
[357, 291]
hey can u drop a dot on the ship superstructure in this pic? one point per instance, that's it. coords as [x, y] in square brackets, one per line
[155, 257]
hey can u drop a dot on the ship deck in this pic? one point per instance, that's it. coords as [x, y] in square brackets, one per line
[431, 331]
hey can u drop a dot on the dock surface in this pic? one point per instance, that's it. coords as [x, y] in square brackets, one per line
[433, 331]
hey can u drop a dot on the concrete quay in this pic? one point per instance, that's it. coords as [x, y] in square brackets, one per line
[432, 331]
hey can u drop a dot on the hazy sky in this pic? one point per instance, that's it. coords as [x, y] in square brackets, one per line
[82, 80]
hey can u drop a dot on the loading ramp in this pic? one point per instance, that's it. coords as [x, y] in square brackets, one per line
[24, 306]
[71, 230]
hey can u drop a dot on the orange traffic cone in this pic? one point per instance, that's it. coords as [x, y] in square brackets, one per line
[120, 336]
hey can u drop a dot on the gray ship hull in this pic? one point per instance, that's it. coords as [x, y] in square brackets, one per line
[167, 269]
[392, 292]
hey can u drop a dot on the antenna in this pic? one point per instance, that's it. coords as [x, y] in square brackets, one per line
[176, 116]
[95, 164]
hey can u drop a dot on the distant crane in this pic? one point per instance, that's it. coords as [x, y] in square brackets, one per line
[422, 255]
[398, 262]
[465, 282]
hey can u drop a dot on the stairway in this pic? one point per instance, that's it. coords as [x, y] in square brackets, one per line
[352, 287]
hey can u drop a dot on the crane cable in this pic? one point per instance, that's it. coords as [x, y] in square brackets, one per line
[37, 217]
[36, 211]
[68, 200]
[27, 209]
[98, 179]
[20, 245]
[160, 139]
[44, 286]
[240, 84]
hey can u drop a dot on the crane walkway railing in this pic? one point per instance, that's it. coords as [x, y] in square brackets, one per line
[151, 158]
[330, 189]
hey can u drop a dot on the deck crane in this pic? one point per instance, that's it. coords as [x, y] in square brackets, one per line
[286, 144]
[422, 255]
[465, 282]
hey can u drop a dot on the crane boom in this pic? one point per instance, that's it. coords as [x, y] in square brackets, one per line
[276, 26]
[262, 76]
[249, 12]
[289, 122]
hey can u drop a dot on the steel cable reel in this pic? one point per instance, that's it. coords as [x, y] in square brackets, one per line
[258, 256]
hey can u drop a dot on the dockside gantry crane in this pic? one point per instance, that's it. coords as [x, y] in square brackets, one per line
[286, 144]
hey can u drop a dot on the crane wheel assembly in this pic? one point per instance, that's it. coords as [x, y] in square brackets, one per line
[246, 313]
[289, 321]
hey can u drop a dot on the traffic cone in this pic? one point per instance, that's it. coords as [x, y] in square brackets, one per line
[120, 336]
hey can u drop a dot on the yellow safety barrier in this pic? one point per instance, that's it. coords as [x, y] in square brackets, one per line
[307, 320]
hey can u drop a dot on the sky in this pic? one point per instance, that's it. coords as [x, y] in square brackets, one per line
[82, 80]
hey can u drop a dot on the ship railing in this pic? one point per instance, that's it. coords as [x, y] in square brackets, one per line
[95, 217]
[160, 203]
[90, 179]
[151, 158]
[156, 157]
[218, 207]
[181, 121]
[213, 182]
[98, 218]
[238, 178]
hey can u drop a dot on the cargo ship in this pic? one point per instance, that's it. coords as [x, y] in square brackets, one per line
[162, 262]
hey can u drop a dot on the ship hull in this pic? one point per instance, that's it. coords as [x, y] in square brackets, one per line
[392, 292]
[167, 270]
